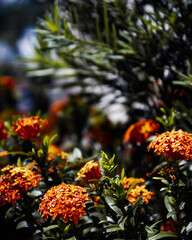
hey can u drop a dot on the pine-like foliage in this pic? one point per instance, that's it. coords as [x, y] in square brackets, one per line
[138, 50]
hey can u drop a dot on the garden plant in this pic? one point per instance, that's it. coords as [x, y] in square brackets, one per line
[67, 170]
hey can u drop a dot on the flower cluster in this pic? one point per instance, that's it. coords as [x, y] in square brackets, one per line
[15, 182]
[140, 131]
[138, 190]
[30, 127]
[64, 201]
[169, 226]
[89, 172]
[173, 145]
[3, 134]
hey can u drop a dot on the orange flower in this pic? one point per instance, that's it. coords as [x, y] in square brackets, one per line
[170, 226]
[30, 127]
[4, 153]
[140, 131]
[96, 199]
[173, 145]
[58, 106]
[89, 172]
[3, 134]
[138, 190]
[15, 182]
[7, 82]
[65, 202]
[53, 151]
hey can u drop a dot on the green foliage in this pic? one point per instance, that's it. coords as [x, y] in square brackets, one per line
[108, 165]
[128, 48]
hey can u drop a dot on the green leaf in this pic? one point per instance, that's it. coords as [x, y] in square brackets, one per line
[122, 173]
[112, 205]
[52, 138]
[169, 204]
[113, 229]
[165, 181]
[106, 22]
[153, 225]
[46, 141]
[189, 227]
[134, 208]
[56, 13]
[66, 230]
[170, 214]
[71, 238]
[162, 235]
[122, 224]
[132, 186]
[22, 224]
[50, 228]
[19, 164]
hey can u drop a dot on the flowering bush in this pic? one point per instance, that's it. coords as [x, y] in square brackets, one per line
[65, 195]
[56, 180]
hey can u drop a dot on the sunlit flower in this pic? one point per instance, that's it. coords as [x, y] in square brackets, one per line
[7, 82]
[140, 131]
[89, 172]
[65, 202]
[53, 151]
[3, 133]
[138, 191]
[15, 182]
[30, 127]
[173, 145]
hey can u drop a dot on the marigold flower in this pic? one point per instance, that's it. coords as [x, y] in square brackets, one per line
[3, 134]
[65, 202]
[89, 172]
[173, 145]
[30, 127]
[138, 190]
[140, 131]
[15, 182]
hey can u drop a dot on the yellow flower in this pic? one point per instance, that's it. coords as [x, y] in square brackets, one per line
[65, 202]
[53, 151]
[138, 190]
[173, 145]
